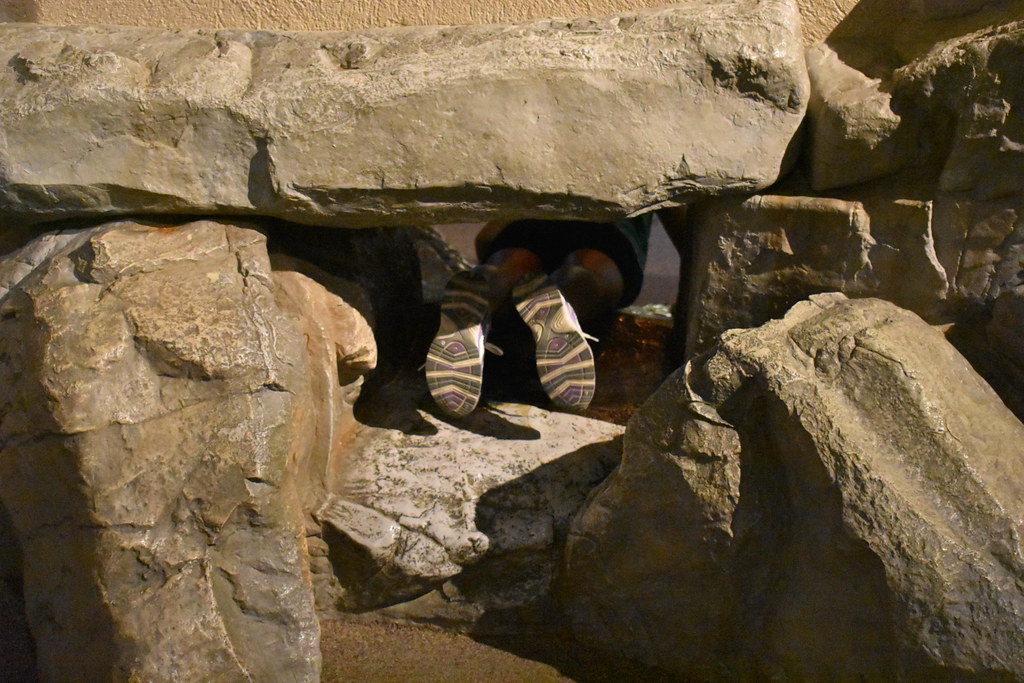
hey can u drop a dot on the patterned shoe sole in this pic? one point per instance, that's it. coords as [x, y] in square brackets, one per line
[565, 362]
[455, 361]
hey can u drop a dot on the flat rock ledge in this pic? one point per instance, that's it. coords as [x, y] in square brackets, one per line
[453, 526]
[588, 119]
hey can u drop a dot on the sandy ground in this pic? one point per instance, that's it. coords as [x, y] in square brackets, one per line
[389, 653]
[386, 653]
[407, 654]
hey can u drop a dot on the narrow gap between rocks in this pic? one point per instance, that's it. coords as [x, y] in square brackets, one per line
[402, 272]
[635, 354]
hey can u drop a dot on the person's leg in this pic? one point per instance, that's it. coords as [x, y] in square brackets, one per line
[455, 360]
[504, 269]
[565, 362]
[585, 290]
[592, 284]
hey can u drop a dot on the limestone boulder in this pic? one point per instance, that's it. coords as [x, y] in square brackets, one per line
[754, 258]
[970, 88]
[459, 519]
[866, 119]
[948, 108]
[589, 118]
[155, 379]
[339, 351]
[835, 495]
[854, 134]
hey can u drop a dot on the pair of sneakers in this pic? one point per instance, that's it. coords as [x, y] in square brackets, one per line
[455, 361]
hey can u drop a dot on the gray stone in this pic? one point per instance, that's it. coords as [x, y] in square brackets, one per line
[755, 258]
[477, 511]
[157, 380]
[591, 118]
[833, 496]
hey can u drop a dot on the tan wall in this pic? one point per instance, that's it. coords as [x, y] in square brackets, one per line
[820, 16]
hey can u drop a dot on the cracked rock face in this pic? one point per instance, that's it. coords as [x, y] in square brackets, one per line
[834, 495]
[951, 112]
[148, 450]
[970, 87]
[476, 512]
[755, 258]
[592, 118]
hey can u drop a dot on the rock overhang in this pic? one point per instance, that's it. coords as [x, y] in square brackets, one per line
[589, 119]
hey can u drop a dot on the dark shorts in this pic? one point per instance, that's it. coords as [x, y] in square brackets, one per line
[625, 241]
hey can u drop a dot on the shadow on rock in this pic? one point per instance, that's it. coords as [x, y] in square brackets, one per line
[383, 266]
[527, 521]
[489, 421]
[17, 649]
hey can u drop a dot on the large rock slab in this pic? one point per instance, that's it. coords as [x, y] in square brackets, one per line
[833, 496]
[466, 518]
[591, 118]
[157, 385]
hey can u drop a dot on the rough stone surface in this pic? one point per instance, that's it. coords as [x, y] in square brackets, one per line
[339, 350]
[879, 36]
[478, 511]
[591, 118]
[755, 258]
[147, 450]
[1006, 329]
[970, 87]
[864, 121]
[833, 496]
[853, 134]
[919, 104]
[950, 110]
